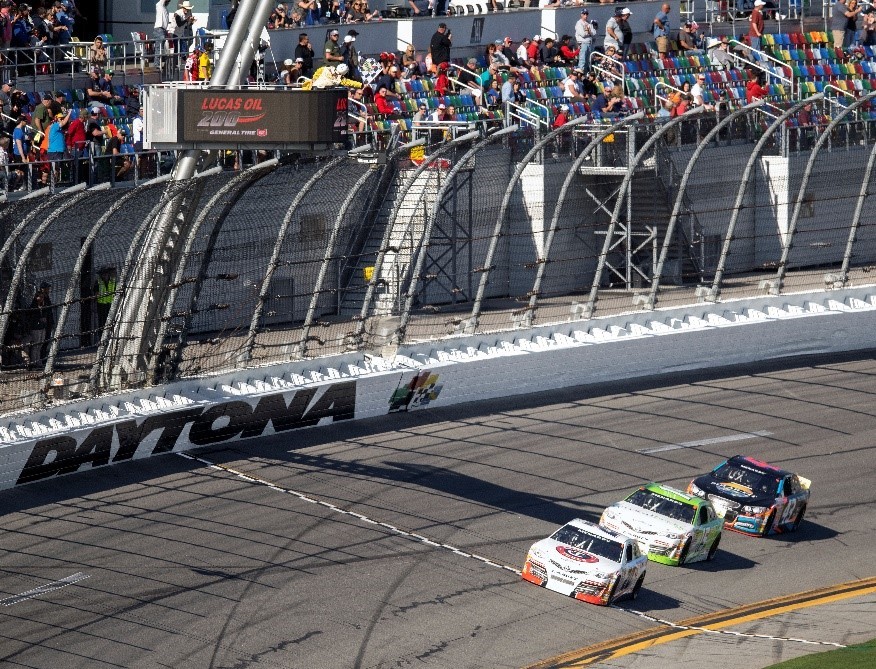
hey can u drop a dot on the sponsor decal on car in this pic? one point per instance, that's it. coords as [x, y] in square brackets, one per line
[576, 554]
[735, 489]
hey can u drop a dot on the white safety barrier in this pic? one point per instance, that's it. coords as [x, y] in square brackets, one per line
[250, 403]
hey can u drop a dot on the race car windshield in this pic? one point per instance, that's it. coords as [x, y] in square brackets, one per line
[575, 536]
[760, 483]
[665, 506]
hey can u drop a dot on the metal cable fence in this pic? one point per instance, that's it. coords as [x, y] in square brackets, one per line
[303, 258]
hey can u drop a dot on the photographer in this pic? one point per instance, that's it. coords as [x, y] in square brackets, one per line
[868, 27]
[439, 46]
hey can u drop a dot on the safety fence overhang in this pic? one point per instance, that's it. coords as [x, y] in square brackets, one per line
[266, 400]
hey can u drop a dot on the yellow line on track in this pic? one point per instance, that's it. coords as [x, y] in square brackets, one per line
[637, 641]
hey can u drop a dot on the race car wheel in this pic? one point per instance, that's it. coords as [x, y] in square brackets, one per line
[769, 523]
[714, 548]
[611, 593]
[634, 595]
[799, 518]
[684, 551]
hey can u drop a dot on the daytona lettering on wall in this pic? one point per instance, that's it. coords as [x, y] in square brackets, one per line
[162, 433]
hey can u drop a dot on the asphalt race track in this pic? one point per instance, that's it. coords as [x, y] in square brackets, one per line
[170, 562]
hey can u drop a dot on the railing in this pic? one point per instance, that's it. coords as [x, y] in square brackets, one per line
[792, 88]
[658, 99]
[515, 113]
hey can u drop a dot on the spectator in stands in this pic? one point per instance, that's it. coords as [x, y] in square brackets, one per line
[588, 86]
[439, 45]
[333, 13]
[686, 38]
[309, 11]
[493, 95]
[183, 23]
[755, 25]
[205, 62]
[613, 35]
[626, 31]
[94, 133]
[96, 97]
[6, 99]
[332, 50]
[442, 81]
[97, 55]
[106, 87]
[57, 144]
[42, 116]
[351, 56]
[75, 137]
[606, 104]
[721, 55]
[533, 51]
[508, 88]
[610, 62]
[497, 57]
[409, 58]
[419, 8]
[159, 30]
[568, 54]
[684, 102]
[585, 33]
[121, 162]
[510, 54]
[851, 32]
[421, 115]
[838, 20]
[572, 89]
[65, 18]
[660, 29]
[290, 72]
[754, 90]
[20, 153]
[278, 18]
[561, 118]
[549, 53]
[450, 115]
[7, 18]
[868, 28]
[698, 93]
[304, 51]
[42, 35]
[137, 129]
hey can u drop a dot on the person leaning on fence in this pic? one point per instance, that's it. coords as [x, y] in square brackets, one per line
[205, 62]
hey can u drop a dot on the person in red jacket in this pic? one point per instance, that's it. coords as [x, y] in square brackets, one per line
[384, 106]
[442, 83]
[75, 137]
[568, 54]
[754, 91]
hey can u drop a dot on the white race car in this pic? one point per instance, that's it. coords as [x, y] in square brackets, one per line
[587, 562]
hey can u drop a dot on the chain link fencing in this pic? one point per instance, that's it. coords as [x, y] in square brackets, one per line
[304, 258]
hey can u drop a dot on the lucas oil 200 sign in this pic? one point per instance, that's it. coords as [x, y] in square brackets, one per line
[263, 117]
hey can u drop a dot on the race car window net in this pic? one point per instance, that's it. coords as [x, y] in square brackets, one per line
[760, 483]
[575, 536]
[665, 506]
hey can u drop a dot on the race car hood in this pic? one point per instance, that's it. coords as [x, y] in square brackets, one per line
[575, 560]
[632, 518]
[733, 491]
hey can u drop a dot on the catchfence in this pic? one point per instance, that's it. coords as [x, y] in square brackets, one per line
[304, 258]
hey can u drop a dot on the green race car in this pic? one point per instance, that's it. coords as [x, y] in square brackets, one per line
[670, 526]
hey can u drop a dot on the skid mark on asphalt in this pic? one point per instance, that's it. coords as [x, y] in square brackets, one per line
[41, 590]
[365, 519]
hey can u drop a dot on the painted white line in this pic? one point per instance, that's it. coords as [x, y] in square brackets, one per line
[48, 587]
[740, 436]
[365, 519]
[706, 630]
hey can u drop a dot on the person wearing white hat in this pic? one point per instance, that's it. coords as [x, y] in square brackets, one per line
[755, 25]
[626, 31]
[181, 25]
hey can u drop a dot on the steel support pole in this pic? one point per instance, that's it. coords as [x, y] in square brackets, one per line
[558, 210]
[423, 251]
[590, 307]
[840, 280]
[246, 353]
[712, 293]
[75, 277]
[471, 325]
[679, 197]
[776, 287]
